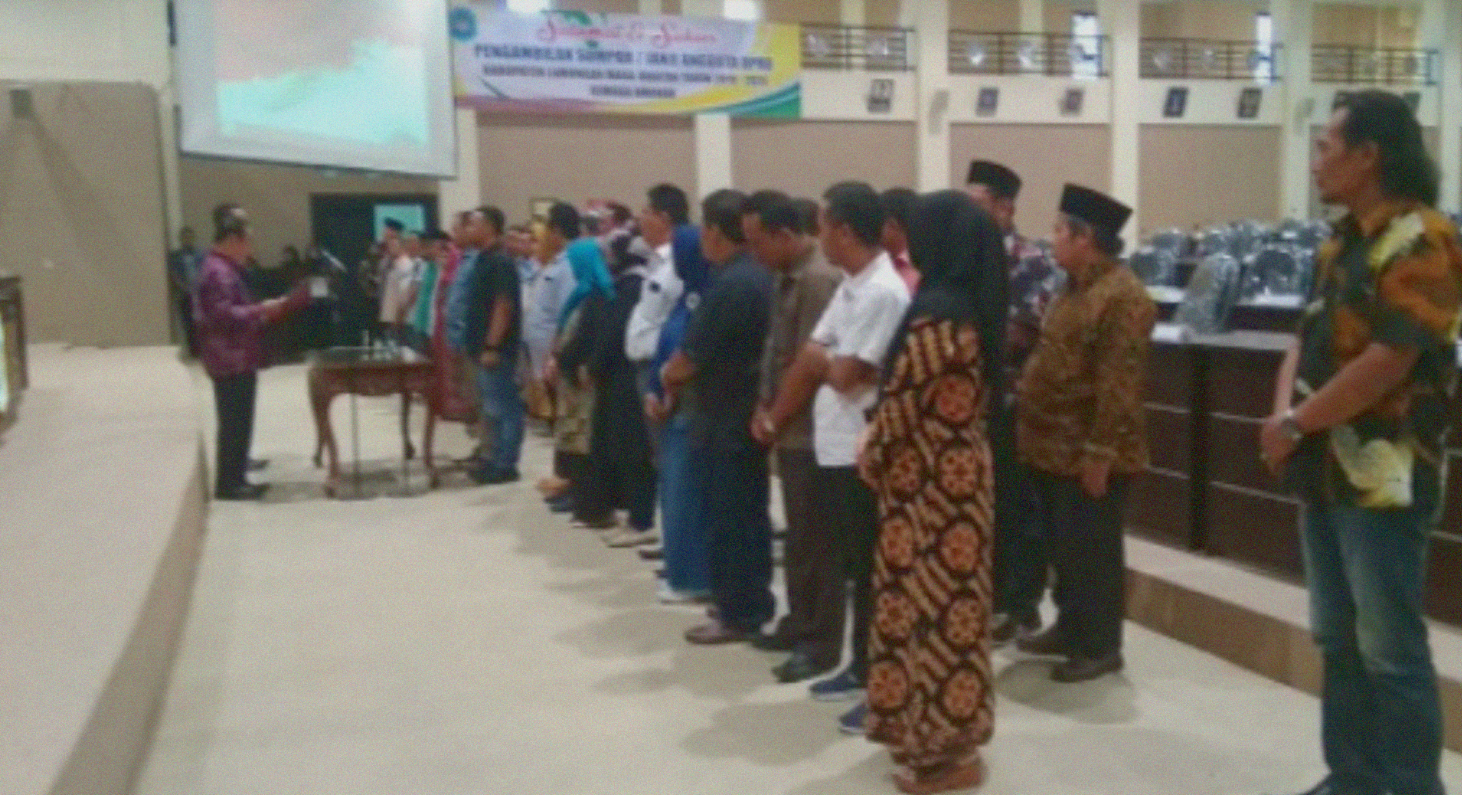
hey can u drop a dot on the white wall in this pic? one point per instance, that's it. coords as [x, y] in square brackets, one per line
[1212, 102]
[843, 96]
[91, 40]
[1031, 99]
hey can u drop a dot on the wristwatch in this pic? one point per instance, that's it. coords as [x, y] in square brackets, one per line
[1291, 427]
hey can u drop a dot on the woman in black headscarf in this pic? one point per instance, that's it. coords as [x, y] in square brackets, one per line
[927, 458]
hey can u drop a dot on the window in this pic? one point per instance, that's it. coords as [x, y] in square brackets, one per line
[1263, 59]
[1086, 45]
[529, 6]
[744, 10]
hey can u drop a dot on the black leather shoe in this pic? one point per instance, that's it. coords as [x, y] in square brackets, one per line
[244, 493]
[1010, 628]
[771, 641]
[1043, 644]
[799, 668]
[1081, 669]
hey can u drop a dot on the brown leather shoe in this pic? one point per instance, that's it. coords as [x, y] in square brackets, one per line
[1080, 669]
[1044, 644]
[715, 633]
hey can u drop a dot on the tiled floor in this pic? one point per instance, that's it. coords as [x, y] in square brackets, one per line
[466, 641]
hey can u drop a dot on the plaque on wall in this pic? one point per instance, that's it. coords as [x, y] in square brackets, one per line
[1072, 101]
[1249, 101]
[988, 102]
[1176, 104]
[880, 95]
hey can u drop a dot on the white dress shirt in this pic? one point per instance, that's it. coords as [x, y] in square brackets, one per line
[860, 323]
[657, 300]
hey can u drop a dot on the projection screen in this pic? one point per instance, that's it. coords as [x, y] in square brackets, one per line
[344, 83]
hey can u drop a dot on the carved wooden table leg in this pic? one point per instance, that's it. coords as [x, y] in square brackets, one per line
[321, 395]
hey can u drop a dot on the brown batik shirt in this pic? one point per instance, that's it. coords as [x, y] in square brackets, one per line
[1081, 394]
[799, 298]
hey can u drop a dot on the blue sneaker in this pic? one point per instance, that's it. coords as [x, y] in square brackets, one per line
[853, 720]
[844, 686]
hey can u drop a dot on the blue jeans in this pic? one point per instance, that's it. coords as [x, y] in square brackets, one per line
[687, 560]
[502, 413]
[1381, 721]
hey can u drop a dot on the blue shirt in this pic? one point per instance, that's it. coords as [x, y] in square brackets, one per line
[551, 288]
[454, 325]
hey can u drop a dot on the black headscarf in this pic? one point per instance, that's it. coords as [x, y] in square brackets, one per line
[964, 276]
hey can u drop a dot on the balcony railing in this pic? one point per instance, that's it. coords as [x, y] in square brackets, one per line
[1364, 65]
[1054, 54]
[1202, 59]
[871, 49]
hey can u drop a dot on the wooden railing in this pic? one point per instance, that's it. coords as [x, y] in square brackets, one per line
[865, 48]
[1054, 54]
[1333, 64]
[1204, 59]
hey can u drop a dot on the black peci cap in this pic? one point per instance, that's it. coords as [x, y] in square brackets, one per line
[1095, 208]
[998, 178]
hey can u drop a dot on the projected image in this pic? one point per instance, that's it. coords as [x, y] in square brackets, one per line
[330, 69]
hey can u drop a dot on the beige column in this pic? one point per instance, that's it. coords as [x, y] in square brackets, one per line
[1294, 24]
[1441, 29]
[1032, 16]
[931, 31]
[1122, 22]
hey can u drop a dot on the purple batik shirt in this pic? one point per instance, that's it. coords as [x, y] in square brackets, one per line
[230, 324]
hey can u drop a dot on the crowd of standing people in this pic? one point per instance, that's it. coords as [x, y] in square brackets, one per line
[955, 415]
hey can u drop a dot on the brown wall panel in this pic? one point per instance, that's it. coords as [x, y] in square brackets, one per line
[823, 12]
[581, 157]
[1158, 508]
[277, 197]
[1045, 156]
[805, 158]
[1168, 435]
[1001, 16]
[1200, 175]
[81, 214]
[1255, 529]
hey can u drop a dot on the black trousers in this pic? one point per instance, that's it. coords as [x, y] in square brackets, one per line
[233, 397]
[849, 512]
[183, 304]
[1090, 561]
[622, 481]
[736, 485]
[1022, 560]
[817, 593]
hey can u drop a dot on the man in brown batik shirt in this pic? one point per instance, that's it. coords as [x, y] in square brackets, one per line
[1081, 430]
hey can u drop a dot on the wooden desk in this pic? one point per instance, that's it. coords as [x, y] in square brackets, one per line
[371, 372]
[1207, 490]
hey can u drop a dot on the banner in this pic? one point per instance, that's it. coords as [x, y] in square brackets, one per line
[575, 61]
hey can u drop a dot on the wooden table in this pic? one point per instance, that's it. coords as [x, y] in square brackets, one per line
[371, 372]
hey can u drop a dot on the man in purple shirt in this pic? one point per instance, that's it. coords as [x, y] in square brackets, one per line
[230, 327]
